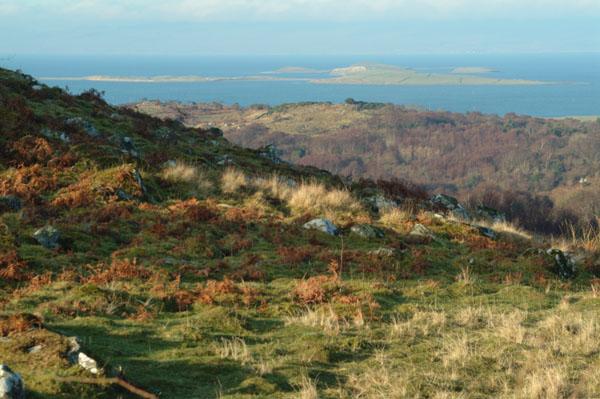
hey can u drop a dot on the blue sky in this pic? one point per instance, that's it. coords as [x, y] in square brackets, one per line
[298, 26]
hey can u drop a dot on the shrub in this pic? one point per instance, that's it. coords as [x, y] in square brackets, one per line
[233, 180]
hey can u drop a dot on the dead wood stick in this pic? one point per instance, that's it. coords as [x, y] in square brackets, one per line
[112, 381]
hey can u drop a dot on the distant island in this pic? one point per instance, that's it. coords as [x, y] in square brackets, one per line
[379, 74]
[359, 74]
[473, 70]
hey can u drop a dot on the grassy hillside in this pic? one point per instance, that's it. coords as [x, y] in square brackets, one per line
[465, 154]
[181, 263]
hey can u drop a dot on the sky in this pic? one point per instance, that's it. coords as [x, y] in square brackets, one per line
[245, 27]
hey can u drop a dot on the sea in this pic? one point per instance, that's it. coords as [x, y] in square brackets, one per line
[575, 90]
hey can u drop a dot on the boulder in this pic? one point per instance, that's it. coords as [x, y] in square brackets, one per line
[421, 231]
[450, 205]
[10, 203]
[140, 182]
[11, 384]
[47, 237]
[51, 134]
[324, 225]
[87, 363]
[367, 231]
[564, 263]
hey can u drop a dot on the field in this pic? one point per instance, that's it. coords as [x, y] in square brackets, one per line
[183, 265]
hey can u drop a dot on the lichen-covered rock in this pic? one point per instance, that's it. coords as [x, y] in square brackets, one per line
[88, 363]
[450, 205]
[10, 203]
[47, 237]
[272, 153]
[564, 263]
[11, 384]
[367, 231]
[128, 147]
[421, 231]
[324, 225]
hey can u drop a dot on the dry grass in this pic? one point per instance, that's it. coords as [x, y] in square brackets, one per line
[324, 318]
[586, 238]
[182, 172]
[396, 218]
[422, 323]
[307, 388]
[506, 228]
[380, 380]
[233, 180]
[318, 199]
[456, 350]
[234, 349]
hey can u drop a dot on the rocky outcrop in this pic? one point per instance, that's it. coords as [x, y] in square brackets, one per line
[450, 205]
[563, 262]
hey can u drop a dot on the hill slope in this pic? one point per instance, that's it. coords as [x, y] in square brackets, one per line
[182, 263]
[464, 154]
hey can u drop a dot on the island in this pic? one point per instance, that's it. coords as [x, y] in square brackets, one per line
[473, 70]
[379, 74]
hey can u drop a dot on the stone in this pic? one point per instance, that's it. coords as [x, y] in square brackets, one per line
[367, 231]
[421, 231]
[380, 203]
[47, 237]
[10, 203]
[88, 363]
[445, 201]
[324, 225]
[224, 160]
[383, 252]
[51, 134]
[128, 147]
[564, 263]
[11, 384]
[138, 179]
[487, 232]
[35, 349]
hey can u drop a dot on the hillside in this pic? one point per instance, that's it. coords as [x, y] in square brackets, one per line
[462, 154]
[189, 267]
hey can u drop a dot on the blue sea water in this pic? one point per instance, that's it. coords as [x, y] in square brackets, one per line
[576, 90]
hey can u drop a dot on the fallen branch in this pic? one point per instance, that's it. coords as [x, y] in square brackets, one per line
[111, 381]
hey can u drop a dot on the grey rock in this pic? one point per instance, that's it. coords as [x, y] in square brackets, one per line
[10, 203]
[460, 214]
[564, 263]
[272, 153]
[224, 160]
[383, 252]
[123, 196]
[11, 384]
[47, 237]
[421, 231]
[37, 87]
[487, 232]
[367, 231]
[128, 147]
[323, 225]
[51, 134]
[445, 201]
[380, 203]
[138, 179]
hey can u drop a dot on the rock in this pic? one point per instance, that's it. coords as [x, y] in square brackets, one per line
[122, 195]
[10, 203]
[367, 231]
[379, 203]
[450, 205]
[565, 265]
[323, 225]
[271, 152]
[215, 131]
[164, 133]
[138, 179]
[224, 160]
[421, 231]
[460, 214]
[128, 147]
[11, 384]
[47, 237]
[35, 349]
[491, 214]
[87, 363]
[75, 356]
[87, 126]
[487, 232]
[383, 252]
